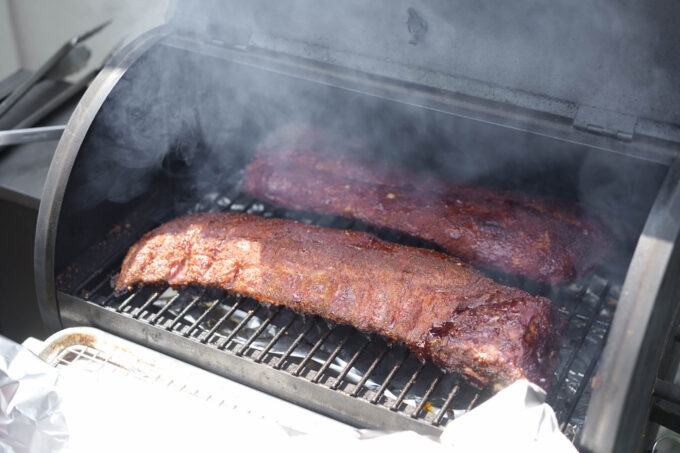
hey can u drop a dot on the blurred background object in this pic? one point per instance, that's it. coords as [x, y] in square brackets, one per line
[31, 30]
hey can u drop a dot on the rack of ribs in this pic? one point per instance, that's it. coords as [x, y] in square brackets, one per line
[438, 306]
[544, 240]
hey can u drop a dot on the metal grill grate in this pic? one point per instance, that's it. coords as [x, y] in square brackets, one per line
[109, 362]
[343, 359]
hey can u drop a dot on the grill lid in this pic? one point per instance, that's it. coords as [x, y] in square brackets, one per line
[611, 67]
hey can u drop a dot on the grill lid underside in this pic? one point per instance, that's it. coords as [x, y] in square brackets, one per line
[609, 65]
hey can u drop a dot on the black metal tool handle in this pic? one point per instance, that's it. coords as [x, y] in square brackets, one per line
[26, 85]
[56, 102]
[666, 410]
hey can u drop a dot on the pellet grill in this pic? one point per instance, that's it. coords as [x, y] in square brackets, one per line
[565, 101]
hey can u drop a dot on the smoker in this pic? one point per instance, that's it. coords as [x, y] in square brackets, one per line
[563, 102]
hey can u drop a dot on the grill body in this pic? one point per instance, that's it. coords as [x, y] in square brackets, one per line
[129, 161]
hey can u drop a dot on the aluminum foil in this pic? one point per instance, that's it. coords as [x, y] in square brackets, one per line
[515, 419]
[31, 415]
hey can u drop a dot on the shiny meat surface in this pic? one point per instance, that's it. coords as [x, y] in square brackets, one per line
[441, 308]
[540, 239]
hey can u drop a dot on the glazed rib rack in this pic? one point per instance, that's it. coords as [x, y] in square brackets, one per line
[379, 384]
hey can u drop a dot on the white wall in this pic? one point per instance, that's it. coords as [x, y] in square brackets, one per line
[9, 58]
[31, 30]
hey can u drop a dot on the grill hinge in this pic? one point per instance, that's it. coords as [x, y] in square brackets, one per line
[605, 122]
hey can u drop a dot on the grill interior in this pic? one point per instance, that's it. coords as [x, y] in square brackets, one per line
[338, 357]
[148, 158]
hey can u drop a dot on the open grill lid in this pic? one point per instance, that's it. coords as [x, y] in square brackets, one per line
[610, 67]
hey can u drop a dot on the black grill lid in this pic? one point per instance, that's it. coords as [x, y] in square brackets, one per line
[610, 66]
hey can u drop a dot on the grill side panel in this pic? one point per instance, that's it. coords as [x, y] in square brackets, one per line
[645, 324]
[60, 172]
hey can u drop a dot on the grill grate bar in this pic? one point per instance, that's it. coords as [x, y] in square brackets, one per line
[183, 313]
[407, 387]
[97, 287]
[242, 202]
[81, 286]
[473, 402]
[389, 378]
[368, 373]
[200, 319]
[588, 327]
[126, 302]
[222, 320]
[350, 364]
[165, 308]
[330, 359]
[275, 311]
[582, 385]
[295, 344]
[273, 341]
[107, 263]
[108, 299]
[238, 327]
[426, 396]
[445, 407]
[311, 352]
[146, 304]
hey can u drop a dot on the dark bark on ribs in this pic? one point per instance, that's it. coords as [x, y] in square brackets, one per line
[441, 308]
[539, 239]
